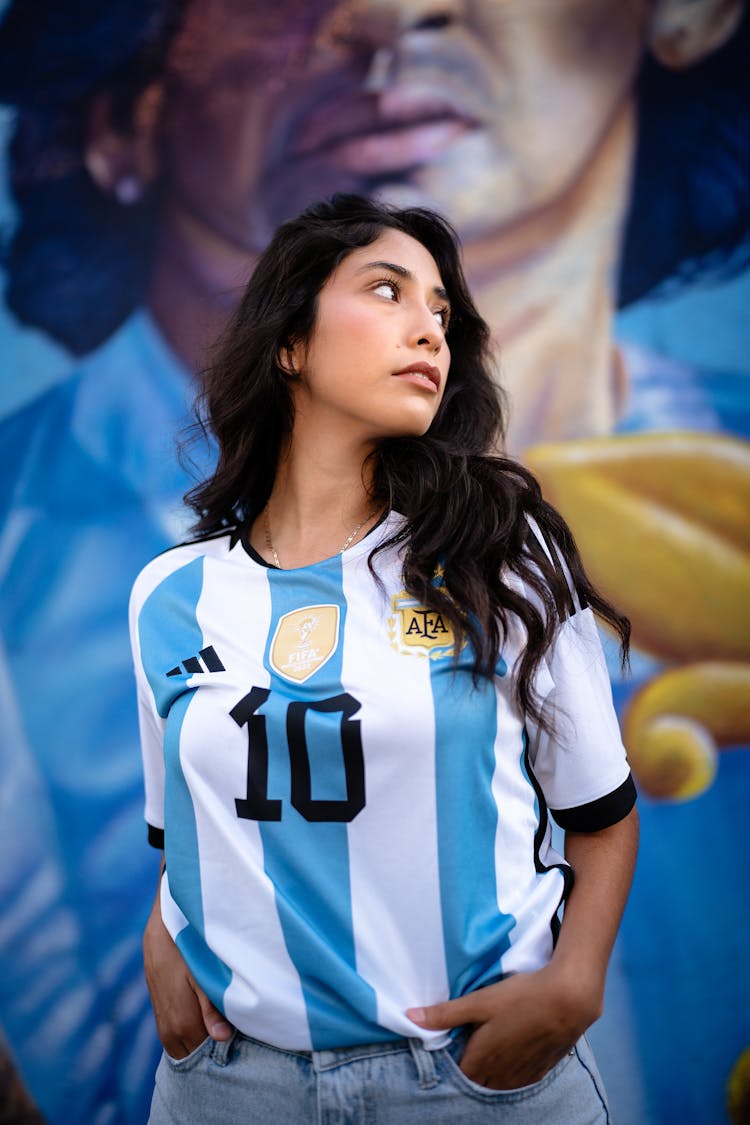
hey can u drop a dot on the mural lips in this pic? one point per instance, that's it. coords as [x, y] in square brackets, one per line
[406, 126]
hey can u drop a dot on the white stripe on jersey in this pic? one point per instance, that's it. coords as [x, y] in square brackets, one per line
[395, 875]
[517, 823]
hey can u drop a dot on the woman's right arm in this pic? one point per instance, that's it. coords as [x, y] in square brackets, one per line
[184, 1014]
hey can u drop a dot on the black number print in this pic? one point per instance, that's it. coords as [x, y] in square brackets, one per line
[257, 805]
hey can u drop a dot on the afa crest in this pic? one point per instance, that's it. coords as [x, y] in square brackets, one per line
[304, 641]
[416, 630]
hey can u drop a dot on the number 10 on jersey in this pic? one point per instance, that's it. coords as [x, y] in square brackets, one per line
[256, 804]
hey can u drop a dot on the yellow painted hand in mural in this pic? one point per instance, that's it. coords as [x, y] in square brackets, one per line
[662, 524]
[738, 1090]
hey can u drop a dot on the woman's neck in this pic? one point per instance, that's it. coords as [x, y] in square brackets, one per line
[320, 504]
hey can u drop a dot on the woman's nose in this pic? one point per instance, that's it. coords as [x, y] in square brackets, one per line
[426, 332]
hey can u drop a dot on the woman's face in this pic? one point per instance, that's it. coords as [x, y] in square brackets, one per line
[377, 360]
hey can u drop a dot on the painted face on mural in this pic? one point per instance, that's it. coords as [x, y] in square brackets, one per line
[486, 110]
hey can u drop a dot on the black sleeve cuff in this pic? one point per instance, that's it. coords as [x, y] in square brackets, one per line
[156, 837]
[599, 814]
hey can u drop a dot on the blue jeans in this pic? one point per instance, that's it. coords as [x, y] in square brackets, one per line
[398, 1083]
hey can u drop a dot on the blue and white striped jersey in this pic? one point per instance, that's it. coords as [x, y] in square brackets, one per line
[351, 827]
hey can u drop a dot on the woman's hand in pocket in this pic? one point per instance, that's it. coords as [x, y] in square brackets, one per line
[184, 1014]
[521, 1027]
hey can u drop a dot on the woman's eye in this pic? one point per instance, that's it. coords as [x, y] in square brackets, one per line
[441, 316]
[387, 288]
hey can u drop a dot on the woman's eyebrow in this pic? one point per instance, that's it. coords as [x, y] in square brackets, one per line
[401, 271]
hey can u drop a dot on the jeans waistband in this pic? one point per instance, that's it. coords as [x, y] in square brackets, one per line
[422, 1058]
[335, 1055]
[330, 1059]
[325, 1059]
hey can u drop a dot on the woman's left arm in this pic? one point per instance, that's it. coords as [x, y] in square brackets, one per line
[524, 1024]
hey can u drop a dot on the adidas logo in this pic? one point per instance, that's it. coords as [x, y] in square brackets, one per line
[211, 663]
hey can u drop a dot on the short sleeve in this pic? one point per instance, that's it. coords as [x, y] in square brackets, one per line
[580, 763]
[151, 726]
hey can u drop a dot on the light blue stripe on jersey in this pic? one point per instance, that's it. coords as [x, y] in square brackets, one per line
[175, 600]
[315, 914]
[475, 930]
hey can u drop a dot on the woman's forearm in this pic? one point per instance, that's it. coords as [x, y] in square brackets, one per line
[603, 864]
[184, 1014]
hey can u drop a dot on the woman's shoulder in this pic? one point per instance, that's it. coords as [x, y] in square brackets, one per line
[178, 560]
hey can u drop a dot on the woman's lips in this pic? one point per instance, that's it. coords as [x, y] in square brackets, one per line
[421, 374]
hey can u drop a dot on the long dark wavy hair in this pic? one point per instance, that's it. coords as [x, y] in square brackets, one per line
[465, 506]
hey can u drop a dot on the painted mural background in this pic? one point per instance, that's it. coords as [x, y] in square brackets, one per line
[595, 159]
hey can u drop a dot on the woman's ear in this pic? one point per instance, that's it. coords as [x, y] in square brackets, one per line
[124, 163]
[286, 361]
[680, 34]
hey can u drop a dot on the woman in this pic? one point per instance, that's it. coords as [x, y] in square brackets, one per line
[360, 688]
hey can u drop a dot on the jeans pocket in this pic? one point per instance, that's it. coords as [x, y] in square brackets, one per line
[191, 1059]
[516, 1094]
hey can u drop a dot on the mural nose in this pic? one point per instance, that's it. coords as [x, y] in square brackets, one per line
[368, 24]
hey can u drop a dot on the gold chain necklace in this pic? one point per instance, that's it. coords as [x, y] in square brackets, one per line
[269, 542]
